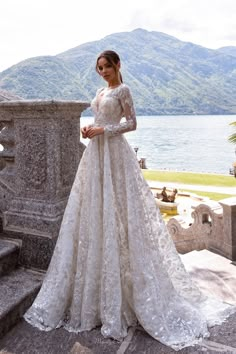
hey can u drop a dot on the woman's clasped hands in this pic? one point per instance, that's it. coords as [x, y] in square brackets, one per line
[90, 132]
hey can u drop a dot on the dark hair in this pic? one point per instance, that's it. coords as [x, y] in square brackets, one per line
[112, 58]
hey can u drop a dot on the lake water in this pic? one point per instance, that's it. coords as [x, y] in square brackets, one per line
[183, 143]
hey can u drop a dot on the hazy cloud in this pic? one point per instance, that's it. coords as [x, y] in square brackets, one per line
[31, 28]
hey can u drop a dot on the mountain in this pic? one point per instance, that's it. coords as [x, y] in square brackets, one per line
[8, 96]
[165, 74]
[230, 50]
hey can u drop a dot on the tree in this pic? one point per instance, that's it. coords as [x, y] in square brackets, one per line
[232, 137]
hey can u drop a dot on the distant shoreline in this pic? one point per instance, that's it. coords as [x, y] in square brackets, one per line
[193, 172]
[84, 115]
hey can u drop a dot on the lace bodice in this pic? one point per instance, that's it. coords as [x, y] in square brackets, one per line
[110, 105]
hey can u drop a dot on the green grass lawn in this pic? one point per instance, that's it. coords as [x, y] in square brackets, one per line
[190, 178]
[211, 195]
[204, 179]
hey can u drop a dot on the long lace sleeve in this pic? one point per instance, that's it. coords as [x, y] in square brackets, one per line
[129, 114]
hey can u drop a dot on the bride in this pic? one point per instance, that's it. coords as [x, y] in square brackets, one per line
[114, 264]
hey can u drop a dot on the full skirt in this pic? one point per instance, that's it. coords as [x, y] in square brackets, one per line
[115, 264]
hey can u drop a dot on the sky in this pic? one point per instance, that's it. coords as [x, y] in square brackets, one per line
[30, 28]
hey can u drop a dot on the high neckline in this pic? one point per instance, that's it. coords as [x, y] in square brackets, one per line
[113, 87]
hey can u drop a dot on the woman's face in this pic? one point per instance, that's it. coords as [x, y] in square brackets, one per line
[107, 71]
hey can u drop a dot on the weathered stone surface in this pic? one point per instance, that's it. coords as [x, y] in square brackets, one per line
[35, 252]
[17, 291]
[79, 349]
[42, 150]
[213, 228]
[7, 159]
[26, 339]
[143, 343]
[226, 333]
[214, 275]
[9, 254]
[229, 227]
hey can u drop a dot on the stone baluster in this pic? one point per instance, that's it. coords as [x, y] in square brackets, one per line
[7, 159]
[7, 154]
[196, 235]
[47, 153]
[213, 227]
[228, 238]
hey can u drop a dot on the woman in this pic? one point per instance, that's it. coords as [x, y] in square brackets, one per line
[114, 263]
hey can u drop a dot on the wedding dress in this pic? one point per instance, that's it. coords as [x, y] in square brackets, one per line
[114, 264]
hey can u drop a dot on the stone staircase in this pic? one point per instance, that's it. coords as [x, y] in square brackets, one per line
[18, 286]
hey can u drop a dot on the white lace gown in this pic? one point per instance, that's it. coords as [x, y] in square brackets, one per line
[114, 263]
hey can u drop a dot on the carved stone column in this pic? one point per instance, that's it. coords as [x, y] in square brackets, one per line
[47, 154]
[7, 159]
[229, 227]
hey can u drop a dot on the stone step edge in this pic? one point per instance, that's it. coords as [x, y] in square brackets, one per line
[10, 318]
[9, 256]
[14, 312]
[13, 246]
[19, 301]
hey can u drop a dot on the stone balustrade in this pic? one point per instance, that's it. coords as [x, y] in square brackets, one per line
[213, 227]
[40, 156]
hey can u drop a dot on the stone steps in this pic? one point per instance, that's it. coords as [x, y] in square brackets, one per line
[18, 286]
[9, 254]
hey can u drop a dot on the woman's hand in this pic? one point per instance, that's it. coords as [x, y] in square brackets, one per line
[91, 132]
[84, 131]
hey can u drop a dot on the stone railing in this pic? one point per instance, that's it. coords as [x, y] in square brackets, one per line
[42, 150]
[213, 228]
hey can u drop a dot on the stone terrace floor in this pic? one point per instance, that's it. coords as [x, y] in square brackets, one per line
[213, 273]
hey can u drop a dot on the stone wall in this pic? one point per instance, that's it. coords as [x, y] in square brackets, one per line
[42, 150]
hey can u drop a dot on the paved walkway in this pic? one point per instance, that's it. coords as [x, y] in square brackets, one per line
[214, 274]
[225, 190]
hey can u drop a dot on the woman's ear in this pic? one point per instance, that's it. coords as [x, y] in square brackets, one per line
[118, 65]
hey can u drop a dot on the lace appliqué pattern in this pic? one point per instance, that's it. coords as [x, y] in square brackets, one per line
[114, 263]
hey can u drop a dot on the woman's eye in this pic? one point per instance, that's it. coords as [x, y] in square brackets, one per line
[100, 68]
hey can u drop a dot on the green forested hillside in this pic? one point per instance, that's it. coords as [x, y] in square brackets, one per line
[166, 75]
